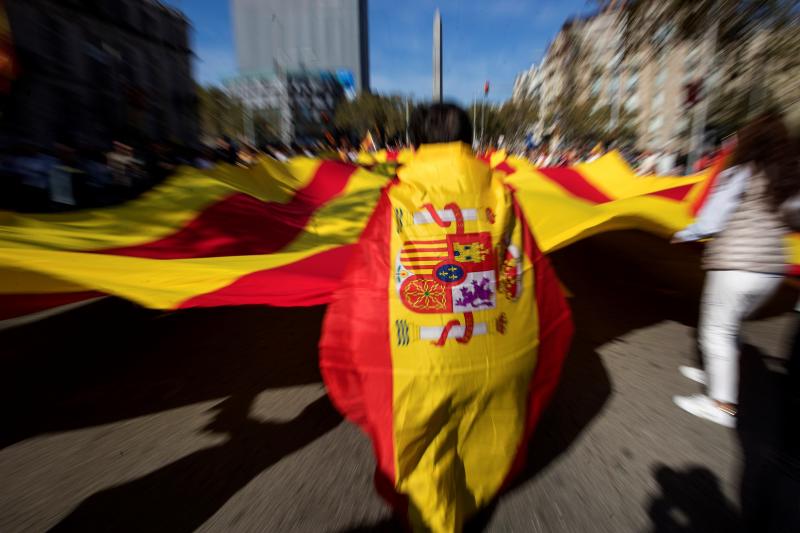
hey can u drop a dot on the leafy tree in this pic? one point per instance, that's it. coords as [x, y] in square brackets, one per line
[657, 23]
[585, 121]
[750, 38]
[512, 120]
[384, 116]
[219, 113]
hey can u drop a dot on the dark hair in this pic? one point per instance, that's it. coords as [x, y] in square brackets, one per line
[765, 141]
[439, 123]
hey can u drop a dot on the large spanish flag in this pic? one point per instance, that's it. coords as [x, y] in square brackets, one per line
[281, 234]
[446, 337]
[274, 234]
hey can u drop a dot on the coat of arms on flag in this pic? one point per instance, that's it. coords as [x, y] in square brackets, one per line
[455, 274]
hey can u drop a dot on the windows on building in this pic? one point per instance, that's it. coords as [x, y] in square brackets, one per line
[632, 83]
[661, 78]
[682, 125]
[655, 123]
[596, 86]
[613, 86]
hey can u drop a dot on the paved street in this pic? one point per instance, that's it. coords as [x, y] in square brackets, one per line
[122, 419]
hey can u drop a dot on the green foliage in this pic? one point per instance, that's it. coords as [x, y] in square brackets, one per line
[219, 113]
[384, 116]
[512, 120]
[756, 44]
[656, 23]
[584, 121]
[266, 125]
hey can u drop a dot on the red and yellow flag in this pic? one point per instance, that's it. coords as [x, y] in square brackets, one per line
[274, 234]
[281, 234]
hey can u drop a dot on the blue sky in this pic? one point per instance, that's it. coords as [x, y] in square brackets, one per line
[483, 39]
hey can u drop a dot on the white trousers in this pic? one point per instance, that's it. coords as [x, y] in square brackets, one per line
[729, 296]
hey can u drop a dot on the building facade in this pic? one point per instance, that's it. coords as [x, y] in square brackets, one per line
[298, 59]
[92, 71]
[297, 35]
[528, 85]
[302, 102]
[585, 62]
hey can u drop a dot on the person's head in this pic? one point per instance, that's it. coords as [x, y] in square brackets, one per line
[439, 123]
[766, 143]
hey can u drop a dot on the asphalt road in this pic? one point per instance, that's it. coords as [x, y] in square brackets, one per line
[117, 418]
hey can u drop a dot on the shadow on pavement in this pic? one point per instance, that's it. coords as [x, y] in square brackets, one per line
[770, 438]
[691, 502]
[182, 495]
[112, 361]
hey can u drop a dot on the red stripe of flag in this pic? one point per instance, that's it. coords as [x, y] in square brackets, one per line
[505, 167]
[355, 349]
[423, 243]
[422, 250]
[716, 168]
[676, 193]
[575, 184]
[244, 225]
[308, 282]
[555, 335]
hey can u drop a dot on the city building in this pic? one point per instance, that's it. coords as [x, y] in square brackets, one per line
[301, 102]
[93, 71]
[585, 62]
[298, 59]
[296, 35]
[528, 85]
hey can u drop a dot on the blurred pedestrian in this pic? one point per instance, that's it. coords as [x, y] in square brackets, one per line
[666, 163]
[98, 177]
[705, 161]
[32, 168]
[119, 161]
[65, 178]
[647, 166]
[745, 262]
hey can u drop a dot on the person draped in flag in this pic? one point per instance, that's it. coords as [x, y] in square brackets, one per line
[446, 336]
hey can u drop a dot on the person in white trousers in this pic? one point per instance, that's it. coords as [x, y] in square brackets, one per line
[745, 261]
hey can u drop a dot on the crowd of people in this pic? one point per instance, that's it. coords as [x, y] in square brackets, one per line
[65, 177]
[35, 179]
[644, 162]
